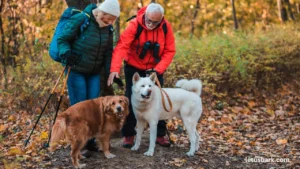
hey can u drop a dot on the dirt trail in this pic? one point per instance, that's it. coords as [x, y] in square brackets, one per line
[173, 157]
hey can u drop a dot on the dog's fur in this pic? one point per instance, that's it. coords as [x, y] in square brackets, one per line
[91, 118]
[147, 106]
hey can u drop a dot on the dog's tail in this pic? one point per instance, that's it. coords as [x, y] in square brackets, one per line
[58, 132]
[193, 85]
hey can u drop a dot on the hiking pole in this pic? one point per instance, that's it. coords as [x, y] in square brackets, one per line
[58, 105]
[26, 141]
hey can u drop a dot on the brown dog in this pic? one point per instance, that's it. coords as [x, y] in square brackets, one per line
[91, 118]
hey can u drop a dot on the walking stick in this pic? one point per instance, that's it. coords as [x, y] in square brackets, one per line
[58, 105]
[26, 141]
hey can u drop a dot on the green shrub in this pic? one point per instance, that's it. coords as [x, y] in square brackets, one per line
[239, 61]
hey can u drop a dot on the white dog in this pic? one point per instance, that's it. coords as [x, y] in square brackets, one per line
[147, 106]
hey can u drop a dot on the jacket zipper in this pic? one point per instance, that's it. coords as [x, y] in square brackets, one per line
[97, 51]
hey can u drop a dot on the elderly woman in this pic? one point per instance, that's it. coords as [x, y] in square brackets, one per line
[93, 46]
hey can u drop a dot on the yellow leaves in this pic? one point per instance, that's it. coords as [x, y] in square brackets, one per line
[12, 165]
[270, 112]
[173, 137]
[15, 151]
[281, 141]
[44, 135]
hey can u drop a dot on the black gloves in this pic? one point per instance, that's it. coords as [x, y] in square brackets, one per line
[71, 58]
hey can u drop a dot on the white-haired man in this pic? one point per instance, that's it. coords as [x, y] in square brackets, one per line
[146, 45]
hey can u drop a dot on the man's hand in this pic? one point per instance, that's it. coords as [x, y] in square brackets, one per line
[149, 71]
[111, 77]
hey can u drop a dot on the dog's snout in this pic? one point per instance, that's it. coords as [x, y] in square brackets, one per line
[119, 108]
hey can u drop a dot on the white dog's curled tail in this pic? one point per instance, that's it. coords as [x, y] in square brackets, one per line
[193, 85]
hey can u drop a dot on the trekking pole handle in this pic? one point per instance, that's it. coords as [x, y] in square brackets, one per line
[65, 83]
[58, 80]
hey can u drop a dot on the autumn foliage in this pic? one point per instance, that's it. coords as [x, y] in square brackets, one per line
[250, 78]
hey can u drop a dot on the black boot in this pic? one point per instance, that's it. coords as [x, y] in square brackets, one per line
[91, 145]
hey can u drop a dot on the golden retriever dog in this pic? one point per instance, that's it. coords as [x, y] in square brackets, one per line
[97, 118]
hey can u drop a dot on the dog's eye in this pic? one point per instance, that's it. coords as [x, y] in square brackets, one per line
[120, 101]
[143, 85]
[149, 85]
[113, 103]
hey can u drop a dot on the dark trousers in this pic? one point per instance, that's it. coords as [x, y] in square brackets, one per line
[129, 126]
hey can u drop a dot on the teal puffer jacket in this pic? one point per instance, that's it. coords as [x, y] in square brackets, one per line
[95, 44]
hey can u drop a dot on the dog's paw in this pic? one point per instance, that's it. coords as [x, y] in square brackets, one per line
[190, 153]
[110, 155]
[81, 166]
[135, 148]
[149, 153]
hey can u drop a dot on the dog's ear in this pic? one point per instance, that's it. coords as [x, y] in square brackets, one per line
[105, 104]
[125, 99]
[153, 77]
[126, 108]
[136, 77]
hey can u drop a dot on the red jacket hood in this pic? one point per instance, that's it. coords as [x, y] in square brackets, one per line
[141, 14]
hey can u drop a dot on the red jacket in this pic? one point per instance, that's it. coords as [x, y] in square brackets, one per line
[127, 46]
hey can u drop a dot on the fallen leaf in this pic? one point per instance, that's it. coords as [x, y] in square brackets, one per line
[281, 141]
[227, 163]
[12, 118]
[3, 127]
[44, 135]
[15, 151]
[251, 104]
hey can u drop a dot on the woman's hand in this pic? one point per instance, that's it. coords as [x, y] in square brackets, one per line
[111, 77]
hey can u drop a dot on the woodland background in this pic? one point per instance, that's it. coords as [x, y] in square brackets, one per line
[247, 54]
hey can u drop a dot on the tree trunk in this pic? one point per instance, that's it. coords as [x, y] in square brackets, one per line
[142, 3]
[290, 12]
[236, 26]
[2, 3]
[3, 54]
[194, 18]
[282, 13]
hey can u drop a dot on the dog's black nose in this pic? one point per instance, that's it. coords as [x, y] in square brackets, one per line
[119, 108]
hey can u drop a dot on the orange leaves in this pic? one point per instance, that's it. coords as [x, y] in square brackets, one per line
[3, 127]
[281, 141]
[251, 104]
[226, 118]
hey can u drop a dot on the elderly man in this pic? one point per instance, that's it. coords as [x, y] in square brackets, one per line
[147, 45]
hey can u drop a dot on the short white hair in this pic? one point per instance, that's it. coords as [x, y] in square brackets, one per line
[155, 7]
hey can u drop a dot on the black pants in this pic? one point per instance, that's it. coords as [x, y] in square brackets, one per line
[129, 126]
